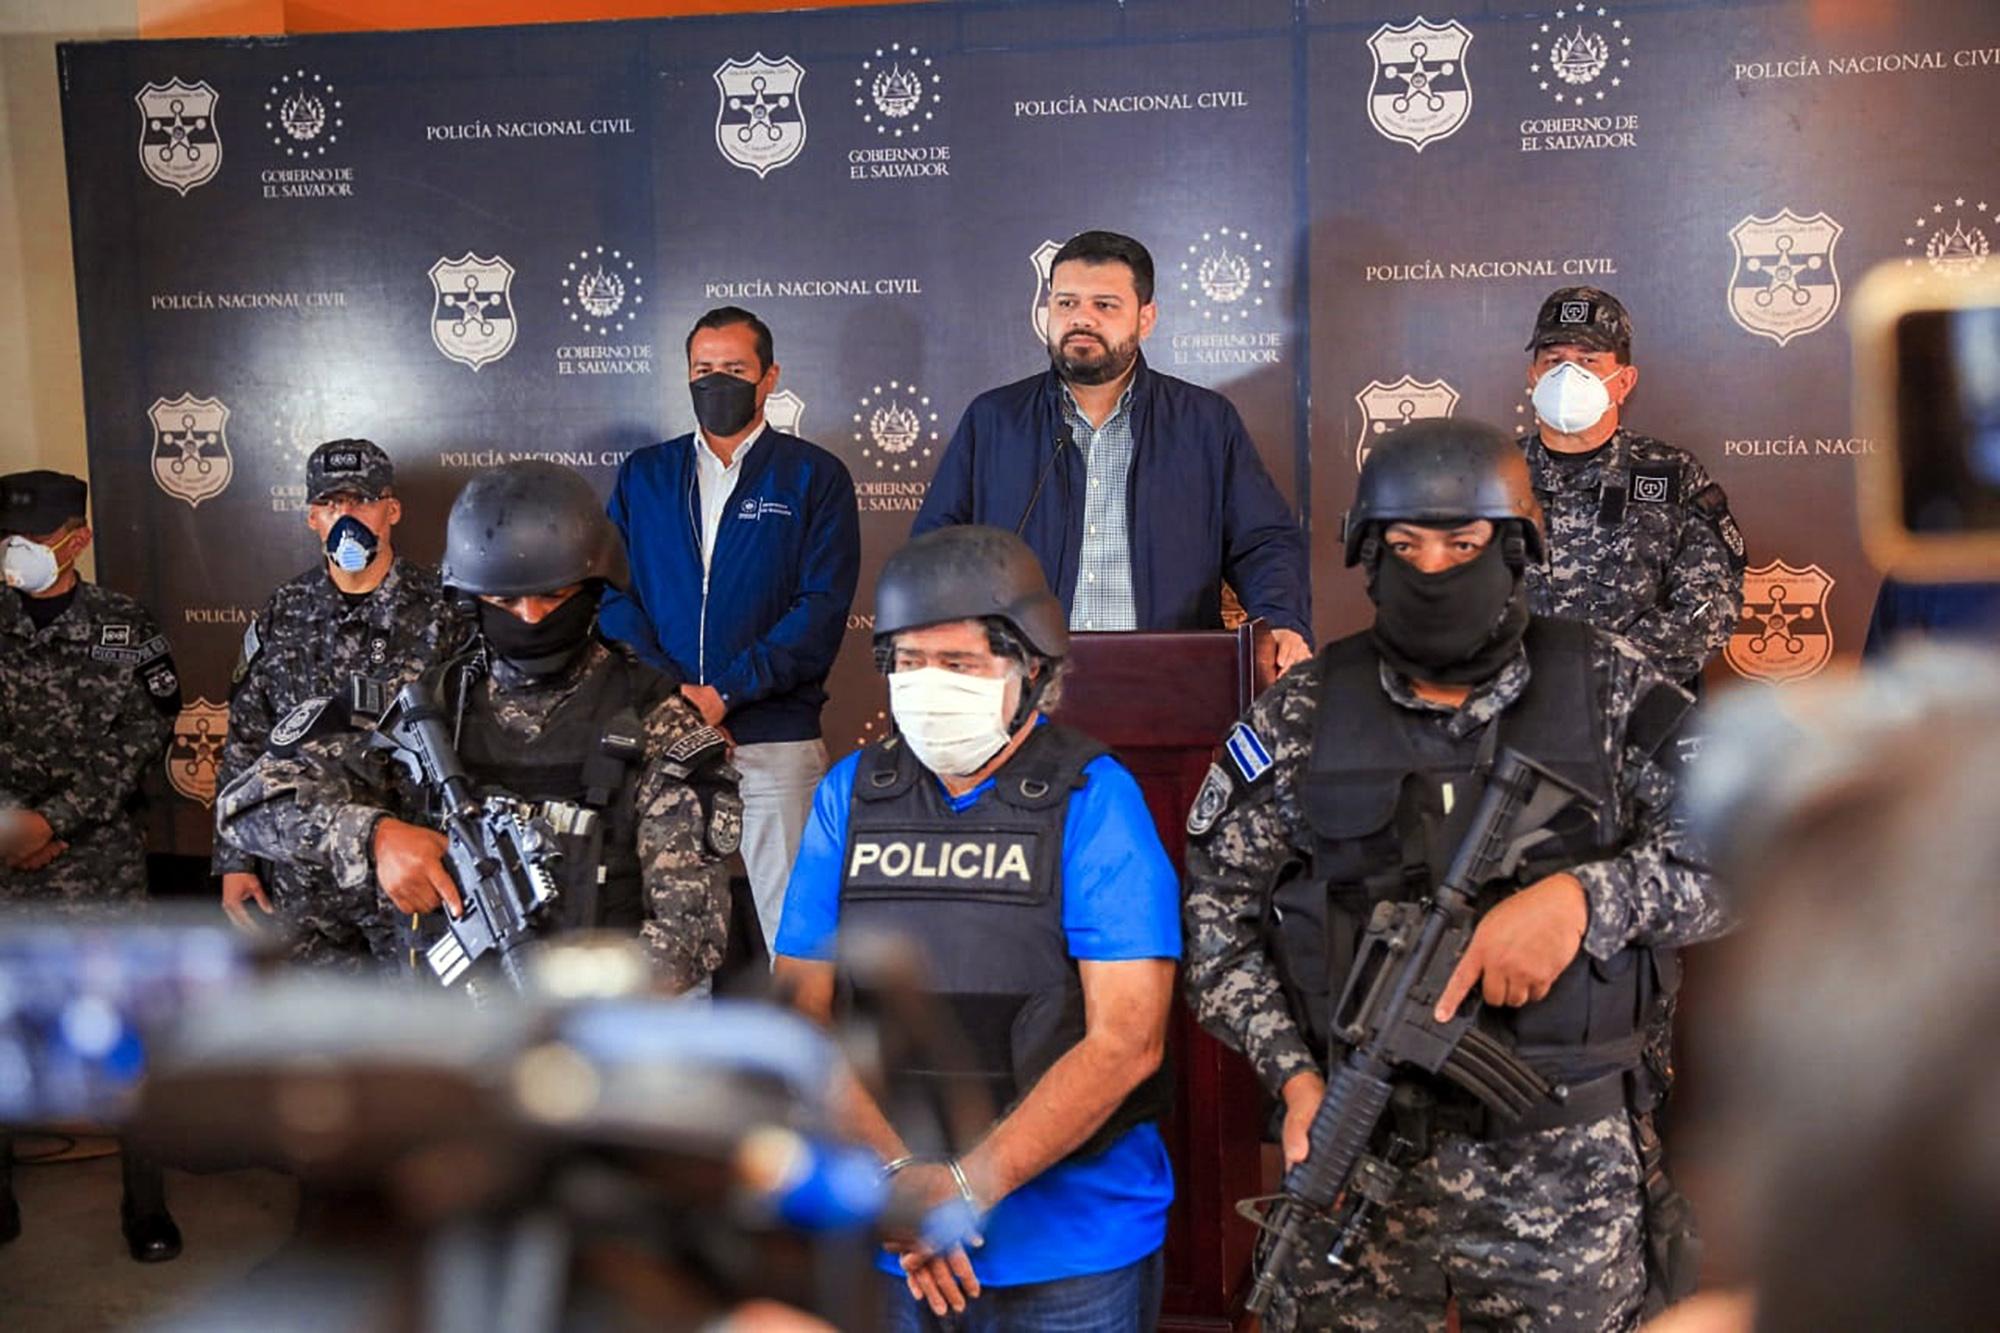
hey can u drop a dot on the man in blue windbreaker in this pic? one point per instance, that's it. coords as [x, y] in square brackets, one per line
[745, 546]
[1141, 494]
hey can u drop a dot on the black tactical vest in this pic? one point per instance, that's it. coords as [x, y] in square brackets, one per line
[980, 894]
[584, 758]
[1388, 794]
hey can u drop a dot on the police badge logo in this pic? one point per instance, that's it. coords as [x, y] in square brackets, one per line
[760, 124]
[785, 412]
[1784, 284]
[178, 143]
[895, 427]
[1042, 260]
[1209, 802]
[191, 459]
[472, 316]
[1420, 91]
[1387, 406]
[1784, 634]
[196, 751]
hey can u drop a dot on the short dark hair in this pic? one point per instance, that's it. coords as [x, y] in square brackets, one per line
[728, 316]
[1108, 247]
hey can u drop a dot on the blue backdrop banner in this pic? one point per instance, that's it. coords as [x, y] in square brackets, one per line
[479, 245]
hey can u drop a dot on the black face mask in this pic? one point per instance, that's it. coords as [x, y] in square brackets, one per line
[1455, 627]
[547, 646]
[723, 404]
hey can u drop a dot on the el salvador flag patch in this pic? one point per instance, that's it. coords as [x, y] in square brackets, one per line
[1247, 752]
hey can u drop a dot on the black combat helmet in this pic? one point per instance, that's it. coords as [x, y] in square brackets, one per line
[1441, 471]
[970, 573]
[526, 528]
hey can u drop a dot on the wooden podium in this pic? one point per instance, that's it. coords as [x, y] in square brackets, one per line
[1163, 702]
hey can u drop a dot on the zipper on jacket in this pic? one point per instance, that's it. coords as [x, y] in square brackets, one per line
[694, 530]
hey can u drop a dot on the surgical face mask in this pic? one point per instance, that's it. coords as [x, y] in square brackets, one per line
[1571, 399]
[29, 566]
[953, 722]
[723, 404]
[350, 544]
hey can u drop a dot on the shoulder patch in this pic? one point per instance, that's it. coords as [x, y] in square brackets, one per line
[1210, 801]
[725, 823]
[1713, 505]
[163, 683]
[294, 726]
[252, 645]
[699, 747]
[1250, 755]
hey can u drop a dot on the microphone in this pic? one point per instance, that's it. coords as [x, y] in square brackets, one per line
[1064, 440]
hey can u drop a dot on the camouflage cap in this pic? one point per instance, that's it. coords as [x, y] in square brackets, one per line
[32, 503]
[1586, 317]
[352, 467]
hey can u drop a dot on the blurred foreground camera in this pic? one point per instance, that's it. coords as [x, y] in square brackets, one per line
[1927, 391]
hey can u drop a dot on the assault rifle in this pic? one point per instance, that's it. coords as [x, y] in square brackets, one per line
[1386, 1016]
[502, 855]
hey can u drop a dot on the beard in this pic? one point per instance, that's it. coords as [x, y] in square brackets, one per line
[1086, 358]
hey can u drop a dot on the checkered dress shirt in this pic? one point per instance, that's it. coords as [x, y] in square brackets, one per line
[1104, 598]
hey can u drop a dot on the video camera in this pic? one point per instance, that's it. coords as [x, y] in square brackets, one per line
[1927, 391]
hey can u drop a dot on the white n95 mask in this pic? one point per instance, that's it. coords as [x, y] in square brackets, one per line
[29, 566]
[953, 722]
[1571, 399]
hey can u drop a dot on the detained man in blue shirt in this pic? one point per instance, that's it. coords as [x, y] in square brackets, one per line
[1018, 858]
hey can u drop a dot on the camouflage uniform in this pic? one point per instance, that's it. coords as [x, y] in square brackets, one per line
[1663, 566]
[310, 641]
[86, 704]
[1541, 1230]
[315, 808]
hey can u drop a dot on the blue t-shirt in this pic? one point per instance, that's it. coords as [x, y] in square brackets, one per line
[1121, 901]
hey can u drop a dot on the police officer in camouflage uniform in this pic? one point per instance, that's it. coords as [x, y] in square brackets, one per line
[357, 626]
[543, 708]
[1350, 782]
[1641, 542]
[88, 695]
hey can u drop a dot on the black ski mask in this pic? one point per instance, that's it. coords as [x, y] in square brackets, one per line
[547, 646]
[1458, 626]
[723, 404]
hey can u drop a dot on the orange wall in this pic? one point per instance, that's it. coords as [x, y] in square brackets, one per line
[247, 18]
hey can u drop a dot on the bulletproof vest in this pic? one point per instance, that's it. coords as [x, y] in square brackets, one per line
[581, 761]
[1389, 794]
[980, 894]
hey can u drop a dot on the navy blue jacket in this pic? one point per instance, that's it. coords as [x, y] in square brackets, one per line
[765, 628]
[1200, 507]
[1969, 611]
